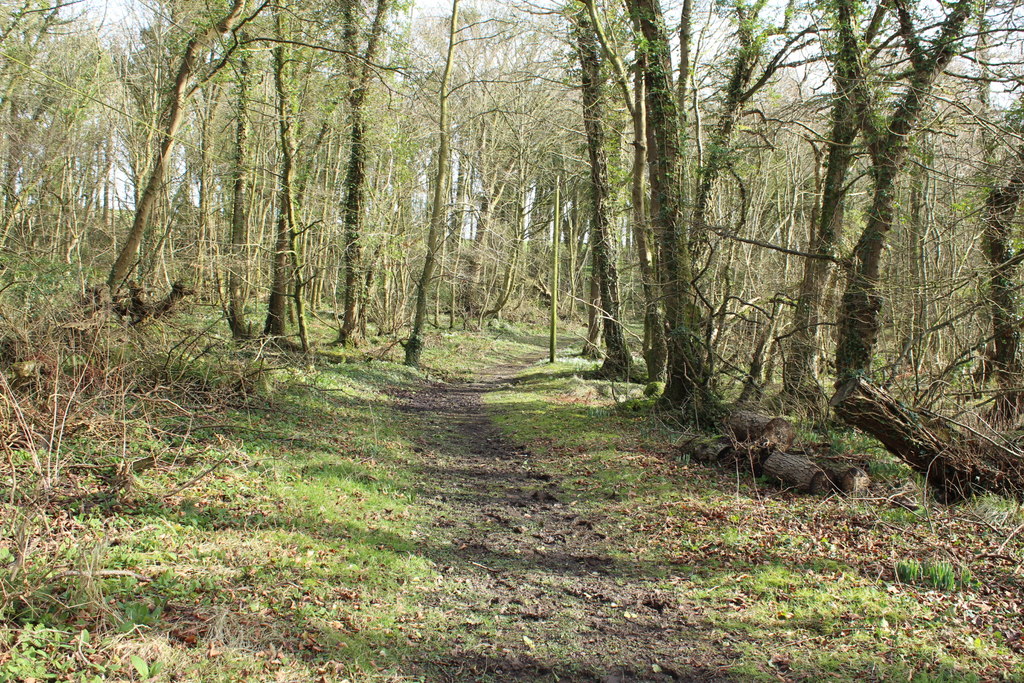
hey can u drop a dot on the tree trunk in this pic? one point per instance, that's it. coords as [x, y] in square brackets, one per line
[238, 246]
[955, 464]
[284, 264]
[688, 382]
[859, 322]
[359, 69]
[414, 345]
[592, 347]
[618, 361]
[656, 351]
[800, 371]
[1001, 206]
[174, 114]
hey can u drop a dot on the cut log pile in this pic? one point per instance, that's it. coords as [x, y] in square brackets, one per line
[765, 445]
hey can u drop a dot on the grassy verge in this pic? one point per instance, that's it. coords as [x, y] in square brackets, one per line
[793, 586]
[274, 540]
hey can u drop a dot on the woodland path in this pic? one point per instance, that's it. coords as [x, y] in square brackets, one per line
[541, 594]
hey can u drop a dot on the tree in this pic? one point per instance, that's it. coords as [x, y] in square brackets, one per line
[358, 70]
[800, 376]
[688, 379]
[173, 115]
[414, 345]
[887, 138]
[618, 362]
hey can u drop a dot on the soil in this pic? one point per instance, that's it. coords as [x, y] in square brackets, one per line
[536, 584]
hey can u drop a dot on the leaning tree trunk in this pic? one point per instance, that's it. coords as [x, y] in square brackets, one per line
[174, 114]
[414, 345]
[618, 361]
[955, 464]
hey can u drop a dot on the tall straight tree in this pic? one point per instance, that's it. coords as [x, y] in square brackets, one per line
[688, 382]
[617, 361]
[284, 273]
[358, 70]
[173, 115]
[655, 349]
[239, 219]
[414, 345]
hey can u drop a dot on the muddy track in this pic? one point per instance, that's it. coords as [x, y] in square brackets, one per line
[534, 589]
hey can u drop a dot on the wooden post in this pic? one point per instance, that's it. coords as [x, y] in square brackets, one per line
[554, 268]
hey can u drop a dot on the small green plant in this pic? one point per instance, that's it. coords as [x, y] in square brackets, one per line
[140, 614]
[909, 571]
[941, 576]
[938, 575]
[145, 670]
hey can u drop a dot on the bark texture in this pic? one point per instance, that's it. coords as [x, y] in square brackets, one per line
[617, 361]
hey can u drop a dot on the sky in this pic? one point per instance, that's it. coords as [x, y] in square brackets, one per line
[113, 12]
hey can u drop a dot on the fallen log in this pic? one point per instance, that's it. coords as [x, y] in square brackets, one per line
[708, 451]
[768, 433]
[762, 444]
[955, 463]
[805, 475]
[796, 471]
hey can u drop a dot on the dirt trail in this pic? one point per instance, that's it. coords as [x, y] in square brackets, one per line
[534, 590]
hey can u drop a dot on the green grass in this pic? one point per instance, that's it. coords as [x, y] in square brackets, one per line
[771, 572]
[296, 558]
[306, 554]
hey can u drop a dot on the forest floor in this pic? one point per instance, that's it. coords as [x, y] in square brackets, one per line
[498, 518]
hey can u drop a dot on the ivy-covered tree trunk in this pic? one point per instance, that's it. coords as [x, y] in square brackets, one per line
[887, 139]
[617, 361]
[800, 372]
[359, 70]
[1001, 206]
[688, 383]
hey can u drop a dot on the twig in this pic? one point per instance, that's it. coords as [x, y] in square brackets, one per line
[477, 564]
[107, 573]
[199, 476]
[1010, 538]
